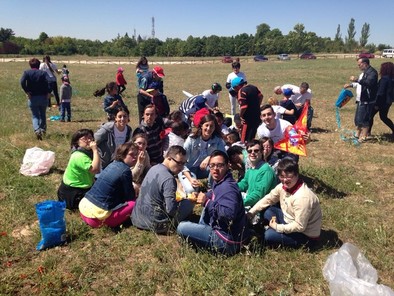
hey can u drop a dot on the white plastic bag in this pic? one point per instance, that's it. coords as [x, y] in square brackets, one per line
[37, 162]
[348, 272]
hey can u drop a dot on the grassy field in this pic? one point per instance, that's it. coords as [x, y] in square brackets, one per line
[354, 184]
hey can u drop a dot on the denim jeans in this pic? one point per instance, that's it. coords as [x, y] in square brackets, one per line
[65, 107]
[38, 107]
[201, 235]
[274, 238]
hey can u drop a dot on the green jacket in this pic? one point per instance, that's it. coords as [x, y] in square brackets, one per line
[257, 182]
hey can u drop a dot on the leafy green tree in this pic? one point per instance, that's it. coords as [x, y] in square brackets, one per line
[350, 42]
[43, 37]
[6, 34]
[364, 35]
[296, 39]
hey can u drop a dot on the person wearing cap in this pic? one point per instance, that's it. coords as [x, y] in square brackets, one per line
[120, 81]
[65, 99]
[145, 98]
[300, 96]
[159, 99]
[290, 113]
[202, 110]
[249, 99]
[212, 95]
[236, 66]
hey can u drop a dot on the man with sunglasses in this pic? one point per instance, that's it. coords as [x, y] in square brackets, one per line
[156, 208]
[222, 228]
[259, 179]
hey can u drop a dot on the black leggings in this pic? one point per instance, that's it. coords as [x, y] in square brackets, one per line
[53, 85]
[383, 112]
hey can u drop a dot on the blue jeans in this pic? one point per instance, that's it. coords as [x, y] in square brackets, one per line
[201, 235]
[65, 107]
[38, 107]
[274, 238]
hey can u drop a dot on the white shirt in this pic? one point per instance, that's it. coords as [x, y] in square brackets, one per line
[277, 133]
[358, 87]
[298, 97]
[120, 137]
[279, 110]
[232, 75]
[44, 67]
[211, 98]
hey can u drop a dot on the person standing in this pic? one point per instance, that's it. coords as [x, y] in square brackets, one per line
[144, 98]
[385, 96]
[369, 87]
[249, 98]
[120, 81]
[37, 87]
[51, 70]
[156, 208]
[65, 99]
[236, 66]
[222, 228]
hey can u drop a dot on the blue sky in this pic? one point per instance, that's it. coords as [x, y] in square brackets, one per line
[104, 19]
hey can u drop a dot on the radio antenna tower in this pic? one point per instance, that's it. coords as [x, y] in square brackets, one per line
[153, 27]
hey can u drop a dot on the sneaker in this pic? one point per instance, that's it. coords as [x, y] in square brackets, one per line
[39, 136]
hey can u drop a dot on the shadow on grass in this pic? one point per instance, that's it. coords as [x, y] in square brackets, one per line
[328, 240]
[55, 170]
[319, 187]
[318, 130]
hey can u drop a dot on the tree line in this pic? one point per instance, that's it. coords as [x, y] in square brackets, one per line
[264, 41]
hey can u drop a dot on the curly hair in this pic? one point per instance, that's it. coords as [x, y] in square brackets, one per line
[387, 69]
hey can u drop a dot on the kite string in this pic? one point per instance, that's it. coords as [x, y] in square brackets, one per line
[344, 134]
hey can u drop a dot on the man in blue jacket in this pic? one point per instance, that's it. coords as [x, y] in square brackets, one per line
[223, 223]
[36, 85]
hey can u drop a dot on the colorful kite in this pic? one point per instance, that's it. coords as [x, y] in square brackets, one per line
[293, 141]
[346, 135]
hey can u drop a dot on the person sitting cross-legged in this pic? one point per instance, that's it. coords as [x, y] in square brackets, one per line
[222, 228]
[297, 222]
[157, 208]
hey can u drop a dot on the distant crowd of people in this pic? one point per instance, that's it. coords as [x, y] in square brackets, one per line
[155, 174]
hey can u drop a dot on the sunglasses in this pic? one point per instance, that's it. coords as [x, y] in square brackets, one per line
[180, 163]
[253, 150]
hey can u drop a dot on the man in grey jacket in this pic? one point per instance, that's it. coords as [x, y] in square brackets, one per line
[156, 208]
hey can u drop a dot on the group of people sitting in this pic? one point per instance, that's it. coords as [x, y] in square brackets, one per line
[156, 174]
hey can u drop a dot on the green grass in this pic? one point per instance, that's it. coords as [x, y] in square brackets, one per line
[354, 185]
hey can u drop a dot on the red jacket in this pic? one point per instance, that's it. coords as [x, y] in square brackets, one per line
[120, 79]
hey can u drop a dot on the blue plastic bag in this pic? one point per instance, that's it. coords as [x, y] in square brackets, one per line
[52, 223]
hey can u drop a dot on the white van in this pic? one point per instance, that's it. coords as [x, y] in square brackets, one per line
[388, 53]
